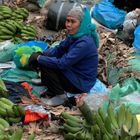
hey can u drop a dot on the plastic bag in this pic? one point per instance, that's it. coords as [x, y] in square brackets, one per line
[108, 15]
[136, 43]
[118, 93]
[6, 51]
[35, 113]
[23, 52]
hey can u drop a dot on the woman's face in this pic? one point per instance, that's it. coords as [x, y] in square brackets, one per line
[72, 25]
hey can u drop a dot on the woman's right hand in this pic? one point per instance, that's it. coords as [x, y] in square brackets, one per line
[80, 99]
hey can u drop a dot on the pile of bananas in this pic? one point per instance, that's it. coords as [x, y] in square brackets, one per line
[12, 26]
[120, 125]
[17, 14]
[11, 112]
[8, 134]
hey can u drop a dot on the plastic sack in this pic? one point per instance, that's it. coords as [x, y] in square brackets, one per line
[6, 51]
[94, 101]
[18, 75]
[118, 93]
[24, 50]
[136, 43]
[108, 15]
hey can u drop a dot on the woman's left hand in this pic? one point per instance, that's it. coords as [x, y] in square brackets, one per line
[33, 62]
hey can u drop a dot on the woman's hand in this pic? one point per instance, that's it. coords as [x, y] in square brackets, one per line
[80, 99]
[33, 60]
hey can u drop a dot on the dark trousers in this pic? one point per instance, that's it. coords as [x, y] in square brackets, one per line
[56, 82]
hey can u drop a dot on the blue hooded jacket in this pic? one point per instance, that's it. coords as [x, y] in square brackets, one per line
[76, 57]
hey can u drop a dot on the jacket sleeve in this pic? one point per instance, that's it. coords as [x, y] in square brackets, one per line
[70, 58]
[58, 51]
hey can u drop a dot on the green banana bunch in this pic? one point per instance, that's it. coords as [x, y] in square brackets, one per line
[28, 32]
[107, 126]
[5, 12]
[21, 13]
[11, 112]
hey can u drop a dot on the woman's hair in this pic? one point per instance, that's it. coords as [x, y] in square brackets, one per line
[76, 12]
[86, 27]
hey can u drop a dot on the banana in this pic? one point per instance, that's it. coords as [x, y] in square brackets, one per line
[72, 123]
[6, 31]
[5, 106]
[70, 136]
[28, 33]
[4, 123]
[13, 26]
[115, 137]
[121, 115]
[14, 120]
[128, 118]
[134, 128]
[102, 113]
[6, 37]
[65, 115]
[17, 135]
[18, 25]
[21, 111]
[10, 112]
[98, 120]
[112, 116]
[10, 27]
[98, 137]
[88, 136]
[95, 129]
[31, 29]
[19, 16]
[24, 14]
[3, 112]
[1, 127]
[71, 129]
[31, 137]
[25, 11]
[16, 111]
[81, 134]
[105, 137]
[6, 101]
[108, 125]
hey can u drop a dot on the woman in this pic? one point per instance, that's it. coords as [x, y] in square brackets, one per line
[71, 66]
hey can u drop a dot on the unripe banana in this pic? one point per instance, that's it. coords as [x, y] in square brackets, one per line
[108, 125]
[3, 112]
[16, 111]
[71, 129]
[4, 123]
[134, 128]
[102, 113]
[128, 118]
[112, 116]
[14, 120]
[72, 123]
[65, 115]
[6, 101]
[121, 115]
[21, 111]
